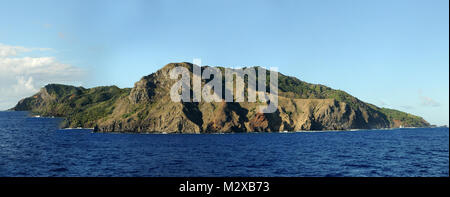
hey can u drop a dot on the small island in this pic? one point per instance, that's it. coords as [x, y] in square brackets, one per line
[147, 108]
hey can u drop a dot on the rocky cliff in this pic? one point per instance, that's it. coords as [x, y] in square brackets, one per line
[147, 107]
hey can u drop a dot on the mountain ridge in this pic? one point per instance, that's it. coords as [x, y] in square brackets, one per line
[147, 108]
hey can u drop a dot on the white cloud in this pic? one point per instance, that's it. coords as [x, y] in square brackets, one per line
[427, 101]
[24, 85]
[9, 51]
[6, 50]
[41, 66]
[24, 76]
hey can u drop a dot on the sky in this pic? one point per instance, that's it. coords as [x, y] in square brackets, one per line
[389, 53]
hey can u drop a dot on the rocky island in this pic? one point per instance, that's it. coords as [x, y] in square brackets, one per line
[147, 108]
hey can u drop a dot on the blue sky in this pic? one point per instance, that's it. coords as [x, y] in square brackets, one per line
[390, 53]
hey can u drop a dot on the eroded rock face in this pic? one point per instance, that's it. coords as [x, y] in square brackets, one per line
[142, 91]
[223, 117]
[36, 101]
[147, 107]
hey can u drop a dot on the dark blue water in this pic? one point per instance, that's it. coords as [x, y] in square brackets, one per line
[35, 147]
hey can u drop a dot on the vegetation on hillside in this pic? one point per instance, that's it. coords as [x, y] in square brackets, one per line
[79, 105]
[83, 107]
[398, 118]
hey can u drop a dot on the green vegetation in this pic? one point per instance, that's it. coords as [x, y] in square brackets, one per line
[81, 107]
[398, 118]
[305, 90]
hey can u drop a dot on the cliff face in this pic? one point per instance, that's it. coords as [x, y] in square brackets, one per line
[147, 107]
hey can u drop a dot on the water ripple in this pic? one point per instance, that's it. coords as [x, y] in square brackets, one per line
[35, 147]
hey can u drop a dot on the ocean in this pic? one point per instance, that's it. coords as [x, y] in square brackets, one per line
[37, 147]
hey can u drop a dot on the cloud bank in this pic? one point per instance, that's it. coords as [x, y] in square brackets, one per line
[24, 76]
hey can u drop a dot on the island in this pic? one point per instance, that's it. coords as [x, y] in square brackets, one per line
[147, 108]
